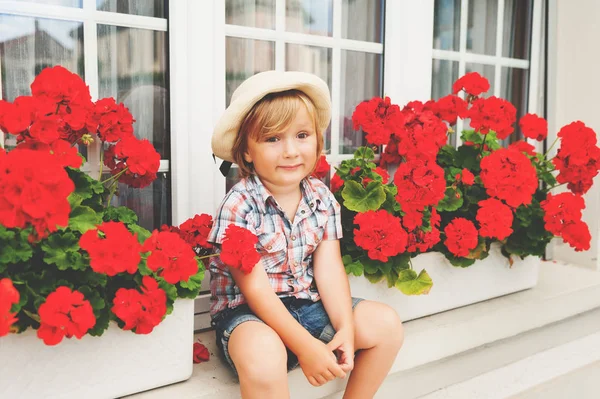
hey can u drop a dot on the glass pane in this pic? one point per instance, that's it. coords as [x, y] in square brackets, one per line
[444, 74]
[152, 204]
[446, 25]
[147, 8]
[482, 25]
[363, 20]
[362, 80]
[487, 71]
[244, 58]
[132, 68]
[516, 38]
[515, 88]
[28, 45]
[66, 3]
[317, 60]
[309, 16]
[254, 13]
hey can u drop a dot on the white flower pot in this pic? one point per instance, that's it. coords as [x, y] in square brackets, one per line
[117, 363]
[453, 287]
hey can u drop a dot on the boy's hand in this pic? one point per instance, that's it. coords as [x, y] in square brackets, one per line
[319, 364]
[343, 346]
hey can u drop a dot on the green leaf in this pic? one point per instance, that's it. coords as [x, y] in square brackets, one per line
[479, 252]
[194, 282]
[142, 233]
[62, 250]
[14, 248]
[346, 259]
[467, 158]
[359, 199]
[450, 203]
[371, 266]
[84, 218]
[401, 262]
[170, 289]
[548, 178]
[374, 277]
[459, 262]
[364, 153]
[447, 156]
[120, 214]
[411, 284]
[355, 268]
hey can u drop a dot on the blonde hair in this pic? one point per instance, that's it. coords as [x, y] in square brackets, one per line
[273, 113]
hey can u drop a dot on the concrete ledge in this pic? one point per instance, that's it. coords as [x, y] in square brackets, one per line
[563, 291]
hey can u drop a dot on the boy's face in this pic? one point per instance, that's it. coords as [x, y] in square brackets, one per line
[285, 158]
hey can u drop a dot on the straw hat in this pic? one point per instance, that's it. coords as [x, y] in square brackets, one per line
[253, 90]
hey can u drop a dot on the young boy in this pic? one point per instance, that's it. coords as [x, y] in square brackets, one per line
[294, 308]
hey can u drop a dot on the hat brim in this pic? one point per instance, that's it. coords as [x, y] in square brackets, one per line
[253, 90]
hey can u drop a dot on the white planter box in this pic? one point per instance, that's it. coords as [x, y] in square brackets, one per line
[453, 287]
[117, 363]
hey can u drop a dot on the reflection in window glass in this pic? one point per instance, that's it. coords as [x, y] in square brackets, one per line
[28, 45]
[516, 39]
[244, 58]
[132, 68]
[363, 20]
[65, 3]
[316, 60]
[254, 13]
[151, 204]
[446, 25]
[444, 74]
[482, 26]
[515, 88]
[309, 16]
[147, 8]
[362, 79]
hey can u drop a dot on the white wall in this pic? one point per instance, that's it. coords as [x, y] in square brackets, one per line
[574, 87]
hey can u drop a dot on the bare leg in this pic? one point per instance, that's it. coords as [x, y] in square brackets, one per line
[260, 359]
[379, 335]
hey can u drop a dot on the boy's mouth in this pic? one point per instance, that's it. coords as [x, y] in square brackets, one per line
[290, 167]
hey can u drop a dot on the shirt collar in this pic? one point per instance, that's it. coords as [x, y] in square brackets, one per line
[309, 193]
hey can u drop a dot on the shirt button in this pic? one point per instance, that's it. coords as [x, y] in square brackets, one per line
[269, 247]
[302, 211]
[293, 238]
[312, 204]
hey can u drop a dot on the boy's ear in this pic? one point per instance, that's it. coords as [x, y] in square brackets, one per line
[247, 157]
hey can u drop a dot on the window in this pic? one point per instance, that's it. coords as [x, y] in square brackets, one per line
[490, 37]
[339, 41]
[120, 49]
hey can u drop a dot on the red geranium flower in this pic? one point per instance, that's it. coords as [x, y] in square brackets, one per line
[200, 353]
[141, 311]
[560, 210]
[8, 297]
[322, 168]
[422, 134]
[472, 83]
[171, 255]
[494, 114]
[195, 230]
[110, 120]
[461, 237]
[508, 174]
[336, 183]
[523, 146]
[65, 313]
[379, 118]
[466, 177]
[115, 251]
[380, 233]
[137, 160]
[534, 127]
[419, 184]
[495, 219]
[450, 108]
[238, 249]
[577, 235]
[383, 173]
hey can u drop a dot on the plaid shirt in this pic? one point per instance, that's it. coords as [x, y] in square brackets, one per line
[285, 247]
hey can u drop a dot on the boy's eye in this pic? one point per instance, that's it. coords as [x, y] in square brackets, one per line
[272, 139]
[302, 135]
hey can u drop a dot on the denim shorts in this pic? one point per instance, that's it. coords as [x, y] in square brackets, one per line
[311, 315]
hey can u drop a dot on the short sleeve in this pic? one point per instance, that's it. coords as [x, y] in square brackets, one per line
[333, 227]
[235, 209]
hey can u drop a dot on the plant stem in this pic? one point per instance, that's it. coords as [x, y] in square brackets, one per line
[556, 185]
[207, 256]
[548, 150]
[101, 162]
[32, 316]
[115, 176]
[483, 144]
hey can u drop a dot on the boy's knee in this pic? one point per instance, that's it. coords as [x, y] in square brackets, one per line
[392, 324]
[261, 356]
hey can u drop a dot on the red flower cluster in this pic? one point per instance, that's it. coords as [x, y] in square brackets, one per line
[171, 255]
[336, 183]
[33, 195]
[534, 127]
[495, 219]
[461, 237]
[563, 218]
[65, 313]
[321, 168]
[111, 121]
[200, 353]
[115, 251]
[494, 114]
[467, 178]
[141, 311]
[379, 118]
[238, 249]
[135, 161]
[578, 158]
[421, 241]
[422, 134]
[419, 184]
[523, 146]
[448, 108]
[195, 231]
[472, 83]
[8, 297]
[508, 174]
[380, 233]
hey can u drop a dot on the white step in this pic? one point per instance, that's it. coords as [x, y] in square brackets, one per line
[563, 291]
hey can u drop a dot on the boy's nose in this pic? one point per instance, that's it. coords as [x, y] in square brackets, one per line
[290, 149]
